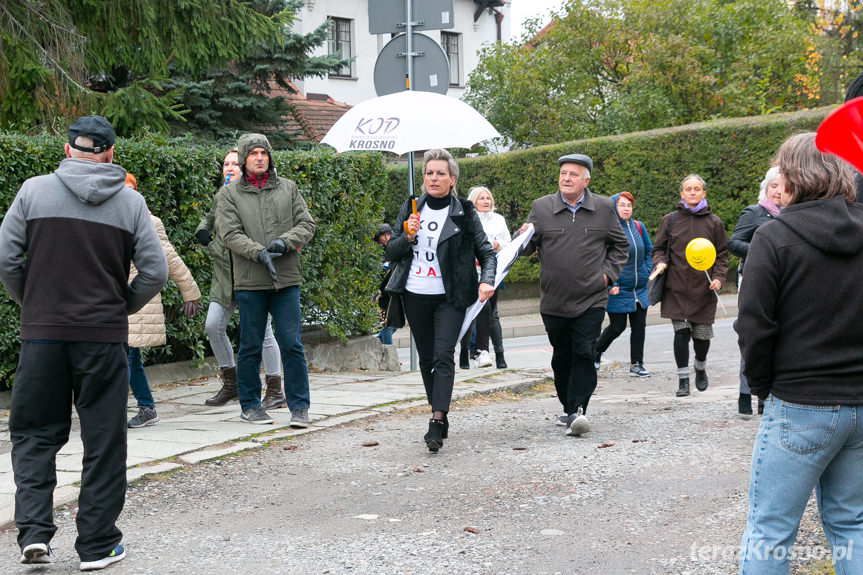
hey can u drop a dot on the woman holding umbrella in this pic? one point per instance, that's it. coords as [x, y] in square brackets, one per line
[688, 299]
[434, 251]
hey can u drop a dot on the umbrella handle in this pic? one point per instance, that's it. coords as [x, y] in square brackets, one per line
[413, 211]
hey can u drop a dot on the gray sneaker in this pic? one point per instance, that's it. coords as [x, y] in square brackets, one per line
[256, 415]
[300, 418]
[562, 420]
[637, 370]
[146, 416]
[578, 424]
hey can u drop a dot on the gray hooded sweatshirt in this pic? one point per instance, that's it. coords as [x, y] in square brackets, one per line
[65, 248]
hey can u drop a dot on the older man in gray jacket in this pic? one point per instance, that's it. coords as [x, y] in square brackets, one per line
[582, 250]
[264, 221]
[65, 248]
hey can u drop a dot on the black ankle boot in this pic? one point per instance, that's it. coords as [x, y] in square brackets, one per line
[700, 379]
[434, 437]
[445, 431]
[463, 360]
[501, 362]
[744, 404]
[683, 390]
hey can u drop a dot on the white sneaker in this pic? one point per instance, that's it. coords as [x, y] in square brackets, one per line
[579, 425]
[484, 359]
[36, 553]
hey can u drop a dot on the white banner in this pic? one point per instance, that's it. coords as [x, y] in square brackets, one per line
[505, 259]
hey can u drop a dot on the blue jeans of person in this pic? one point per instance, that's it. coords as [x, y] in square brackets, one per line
[284, 306]
[138, 379]
[799, 447]
[386, 335]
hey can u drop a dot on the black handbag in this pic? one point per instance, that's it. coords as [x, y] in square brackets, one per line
[395, 314]
[656, 285]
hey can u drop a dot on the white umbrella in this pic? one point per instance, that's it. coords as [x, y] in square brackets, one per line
[408, 121]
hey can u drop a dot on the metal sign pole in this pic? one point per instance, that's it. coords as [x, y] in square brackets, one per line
[409, 30]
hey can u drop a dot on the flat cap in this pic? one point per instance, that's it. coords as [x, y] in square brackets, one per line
[97, 129]
[579, 159]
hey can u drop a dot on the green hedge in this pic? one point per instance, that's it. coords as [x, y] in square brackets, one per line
[341, 265]
[731, 155]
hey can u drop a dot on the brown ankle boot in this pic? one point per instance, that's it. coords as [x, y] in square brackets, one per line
[229, 387]
[275, 396]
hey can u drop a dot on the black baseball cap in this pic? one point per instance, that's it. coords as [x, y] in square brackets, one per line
[97, 129]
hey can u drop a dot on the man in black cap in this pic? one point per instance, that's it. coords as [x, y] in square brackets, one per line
[65, 248]
[582, 250]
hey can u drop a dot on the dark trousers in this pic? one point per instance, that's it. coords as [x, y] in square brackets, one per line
[617, 325]
[485, 326]
[284, 306]
[573, 342]
[51, 377]
[435, 325]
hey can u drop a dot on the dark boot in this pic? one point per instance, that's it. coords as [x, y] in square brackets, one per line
[275, 396]
[498, 357]
[463, 358]
[445, 431]
[700, 379]
[434, 437]
[229, 387]
[744, 404]
[683, 390]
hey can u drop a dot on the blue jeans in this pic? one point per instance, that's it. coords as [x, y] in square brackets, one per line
[138, 379]
[799, 447]
[284, 306]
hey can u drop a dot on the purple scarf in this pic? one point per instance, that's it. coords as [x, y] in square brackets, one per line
[700, 206]
[771, 208]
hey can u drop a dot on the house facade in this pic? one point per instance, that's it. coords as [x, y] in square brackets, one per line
[476, 22]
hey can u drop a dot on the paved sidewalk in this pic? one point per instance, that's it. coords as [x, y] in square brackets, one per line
[190, 432]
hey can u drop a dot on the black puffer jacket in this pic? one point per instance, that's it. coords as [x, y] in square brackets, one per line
[462, 243]
[750, 219]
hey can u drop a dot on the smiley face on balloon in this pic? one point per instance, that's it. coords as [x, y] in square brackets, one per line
[701, 254]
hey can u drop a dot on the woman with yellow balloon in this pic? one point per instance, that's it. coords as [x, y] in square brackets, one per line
[696, 271]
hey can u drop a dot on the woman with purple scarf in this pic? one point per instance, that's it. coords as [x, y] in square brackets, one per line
[750, 219]
[688, 297]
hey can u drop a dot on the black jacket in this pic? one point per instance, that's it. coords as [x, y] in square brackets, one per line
[800, 320]
[462, 243]
[750, 219]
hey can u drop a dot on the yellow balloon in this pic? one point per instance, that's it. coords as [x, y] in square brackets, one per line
[701, 254]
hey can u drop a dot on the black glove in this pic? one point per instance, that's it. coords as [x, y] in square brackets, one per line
[266, 258]
[204, 237]
[277, 246]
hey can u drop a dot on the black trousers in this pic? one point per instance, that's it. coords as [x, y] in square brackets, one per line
[435, 325]
[573, 342]
[617, 325]
[50, 378]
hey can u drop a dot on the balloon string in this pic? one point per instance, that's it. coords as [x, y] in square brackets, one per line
[725, 311]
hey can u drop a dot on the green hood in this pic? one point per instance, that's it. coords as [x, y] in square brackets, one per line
[249, 142]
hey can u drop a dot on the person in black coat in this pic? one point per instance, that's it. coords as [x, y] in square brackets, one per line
[800, 333]
[750, 219]
[434, 254]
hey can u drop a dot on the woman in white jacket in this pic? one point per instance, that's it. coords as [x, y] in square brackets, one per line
[488, 322]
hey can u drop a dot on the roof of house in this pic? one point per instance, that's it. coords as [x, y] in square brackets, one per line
[312, 115]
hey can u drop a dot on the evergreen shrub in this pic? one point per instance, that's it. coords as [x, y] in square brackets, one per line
[341, 265]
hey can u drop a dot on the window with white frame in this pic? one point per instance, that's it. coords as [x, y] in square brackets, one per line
[340, 43]
[450, 44]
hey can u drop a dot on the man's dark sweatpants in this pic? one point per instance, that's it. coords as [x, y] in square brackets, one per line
[50, 376]
[573, 343]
